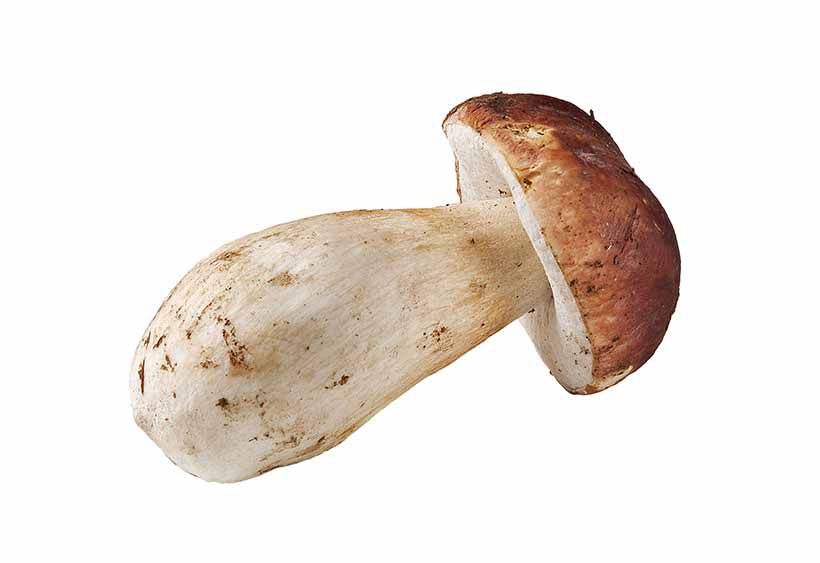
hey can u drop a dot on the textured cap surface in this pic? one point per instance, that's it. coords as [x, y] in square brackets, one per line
[610, 238]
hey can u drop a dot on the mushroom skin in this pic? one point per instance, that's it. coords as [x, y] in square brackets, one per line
[279, 345]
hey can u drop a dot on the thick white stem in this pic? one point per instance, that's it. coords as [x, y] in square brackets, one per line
[279, 345]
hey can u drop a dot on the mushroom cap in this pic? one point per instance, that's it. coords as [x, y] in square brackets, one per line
[605, 241]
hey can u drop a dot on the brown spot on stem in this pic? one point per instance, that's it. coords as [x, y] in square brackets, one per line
[341, 381]
[284, 279]
[141, 374]
[229, 408]
[168, 365]
[238, 354]
[438, 332]
[226, 256]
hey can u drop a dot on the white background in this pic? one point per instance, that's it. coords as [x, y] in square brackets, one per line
[136, 137]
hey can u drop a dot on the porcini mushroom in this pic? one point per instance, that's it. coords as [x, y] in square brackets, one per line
[278, 345]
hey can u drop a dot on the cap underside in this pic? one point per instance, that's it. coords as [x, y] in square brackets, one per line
[556, 326]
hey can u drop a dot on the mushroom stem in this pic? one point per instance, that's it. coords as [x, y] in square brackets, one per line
[279, 345]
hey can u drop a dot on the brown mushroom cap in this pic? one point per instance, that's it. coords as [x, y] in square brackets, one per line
[604, 239]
